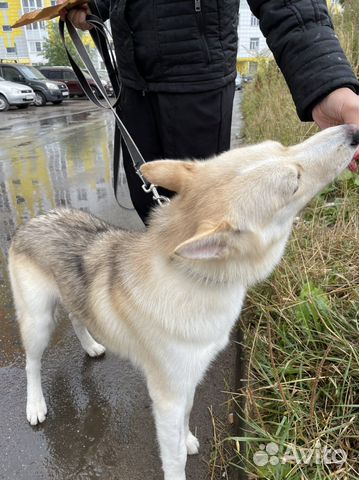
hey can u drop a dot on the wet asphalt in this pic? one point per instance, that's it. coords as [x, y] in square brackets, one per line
[99, 423]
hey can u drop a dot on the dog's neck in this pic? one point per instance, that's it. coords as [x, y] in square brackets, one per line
[205, 274]
[167, 229]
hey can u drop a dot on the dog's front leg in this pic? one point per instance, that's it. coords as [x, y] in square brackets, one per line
[192, 442]
[169, 413]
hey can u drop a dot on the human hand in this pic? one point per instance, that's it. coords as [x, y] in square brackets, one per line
[339, 107]
[77, 15]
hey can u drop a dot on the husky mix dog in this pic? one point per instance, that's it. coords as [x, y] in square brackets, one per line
[167, 298]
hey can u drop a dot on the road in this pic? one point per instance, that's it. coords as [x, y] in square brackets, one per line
[99, 423]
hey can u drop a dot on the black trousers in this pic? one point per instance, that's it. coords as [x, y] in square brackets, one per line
[174, 126]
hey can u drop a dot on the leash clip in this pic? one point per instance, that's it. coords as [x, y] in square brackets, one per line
[146, 189]
[160, 199]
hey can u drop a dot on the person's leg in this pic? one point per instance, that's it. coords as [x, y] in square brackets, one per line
[174, 125]
[136, 112]
[195, 125]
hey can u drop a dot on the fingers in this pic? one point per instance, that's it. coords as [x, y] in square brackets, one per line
[351, 115]
[349, 106]
[77, 16]
[340, 106]
[63, 12]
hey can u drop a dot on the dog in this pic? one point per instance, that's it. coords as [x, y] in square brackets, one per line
[168, 298]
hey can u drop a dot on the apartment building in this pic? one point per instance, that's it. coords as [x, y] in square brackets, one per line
[25, 45]
[22, 44]
[252, 46]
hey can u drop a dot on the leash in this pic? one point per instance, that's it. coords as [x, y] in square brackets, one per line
[100, 35]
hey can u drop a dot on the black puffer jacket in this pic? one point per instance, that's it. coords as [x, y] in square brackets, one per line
[191, 45]
[174, 45]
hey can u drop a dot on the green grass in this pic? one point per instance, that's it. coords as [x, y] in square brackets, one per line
[301, 326]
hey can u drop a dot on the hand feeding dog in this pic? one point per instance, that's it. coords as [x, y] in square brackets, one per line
[167, 298]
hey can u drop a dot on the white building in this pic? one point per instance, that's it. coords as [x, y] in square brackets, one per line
[252, 46]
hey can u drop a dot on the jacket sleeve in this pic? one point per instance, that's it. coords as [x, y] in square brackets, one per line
[101, 8]
[301, 36]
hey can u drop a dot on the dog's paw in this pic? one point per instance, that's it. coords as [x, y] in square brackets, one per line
[36, 411]
[192, 444]
[95, 349]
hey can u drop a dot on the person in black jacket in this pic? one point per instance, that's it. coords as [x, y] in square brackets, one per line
[177, 62]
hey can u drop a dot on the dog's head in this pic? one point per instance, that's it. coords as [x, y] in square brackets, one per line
[243, 202]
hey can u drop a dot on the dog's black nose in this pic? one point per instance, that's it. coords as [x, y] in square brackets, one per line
[355, 137]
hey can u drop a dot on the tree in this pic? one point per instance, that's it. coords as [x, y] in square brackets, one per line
[54, 51]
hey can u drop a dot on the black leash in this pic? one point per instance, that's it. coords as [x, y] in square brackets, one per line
[100, 34]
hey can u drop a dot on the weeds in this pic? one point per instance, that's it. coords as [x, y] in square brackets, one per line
[301, 326]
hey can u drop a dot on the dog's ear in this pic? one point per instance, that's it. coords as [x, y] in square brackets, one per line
[170, 174]
[208, 243]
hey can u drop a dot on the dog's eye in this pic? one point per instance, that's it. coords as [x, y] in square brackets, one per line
[298, 178]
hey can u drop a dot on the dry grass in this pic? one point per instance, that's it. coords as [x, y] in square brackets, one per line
[302, 326]
[302, 337]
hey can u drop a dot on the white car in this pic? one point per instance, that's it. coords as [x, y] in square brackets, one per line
[16, 94]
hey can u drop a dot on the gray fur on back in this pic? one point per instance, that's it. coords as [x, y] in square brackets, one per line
[59, 241]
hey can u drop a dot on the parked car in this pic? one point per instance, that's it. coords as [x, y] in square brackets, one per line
[247, 79]
[45, 91]
[11, 93]
[238, 81]
[63, 89]
[105, 80]
[67, 75]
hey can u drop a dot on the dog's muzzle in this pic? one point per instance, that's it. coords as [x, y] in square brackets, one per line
[354, 135]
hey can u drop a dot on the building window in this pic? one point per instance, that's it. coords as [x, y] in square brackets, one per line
[101, 193]
[254, 21]
[252, 68]
[30, 5]
[53, 3]
[81, 194]
[36, 26]
[36, 47]
[11, 49]
[254, 44]
[32, 26]
[6, 28]
[4, 5]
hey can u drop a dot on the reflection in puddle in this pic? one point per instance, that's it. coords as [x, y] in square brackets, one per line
[69, 166]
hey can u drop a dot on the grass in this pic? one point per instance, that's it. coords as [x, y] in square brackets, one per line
[301, 326]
